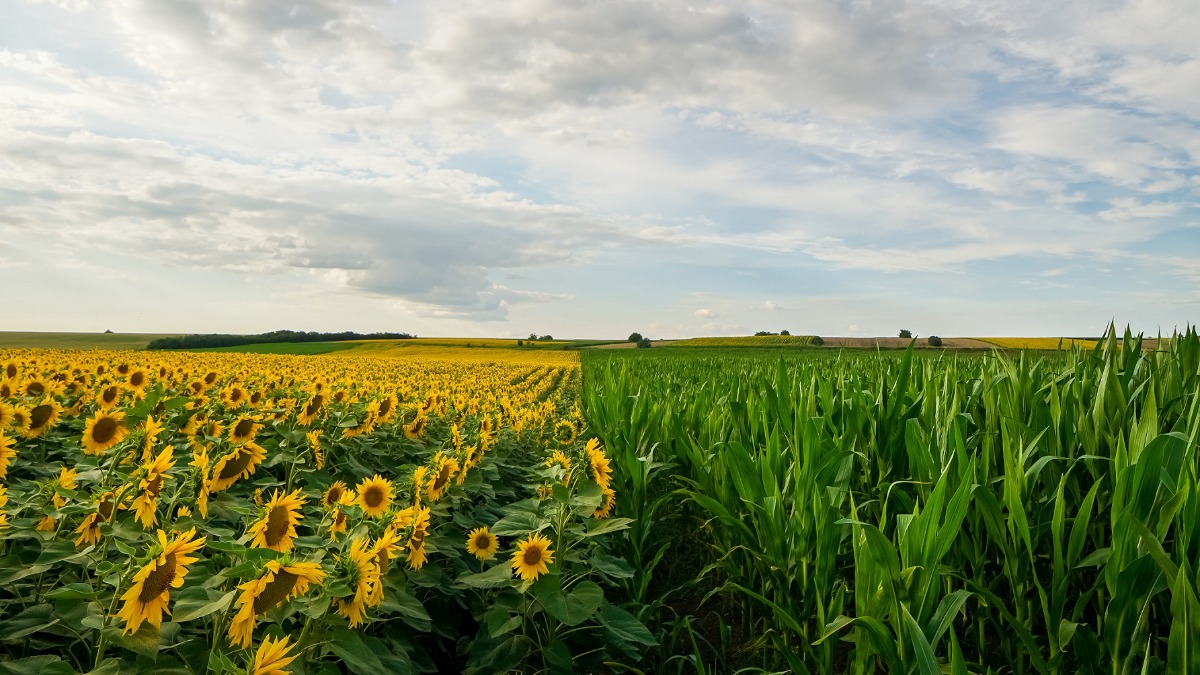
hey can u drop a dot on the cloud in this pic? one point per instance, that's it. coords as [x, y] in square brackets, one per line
[706, 314]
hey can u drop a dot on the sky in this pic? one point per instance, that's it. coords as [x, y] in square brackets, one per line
[593, 168]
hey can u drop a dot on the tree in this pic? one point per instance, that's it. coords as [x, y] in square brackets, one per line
[906, 333]
[635, 337]
[644, 343]
[533, 336]
[784, 332]
[934, 341]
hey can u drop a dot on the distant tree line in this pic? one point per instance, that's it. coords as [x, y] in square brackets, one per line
[226, 340]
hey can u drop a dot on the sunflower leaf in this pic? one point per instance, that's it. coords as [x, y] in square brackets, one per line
[190, 609]
[498, 575]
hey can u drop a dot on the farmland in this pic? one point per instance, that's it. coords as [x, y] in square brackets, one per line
[425, 506]
[197, 512]
[910, 513]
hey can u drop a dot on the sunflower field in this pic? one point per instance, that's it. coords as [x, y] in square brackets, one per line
[359, 511]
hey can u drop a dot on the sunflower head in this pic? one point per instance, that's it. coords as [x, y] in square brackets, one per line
[276, 529]
[43, 417]
[336, 495]
[103, 431]
[532, 556]
[482, 544]
[375, 496]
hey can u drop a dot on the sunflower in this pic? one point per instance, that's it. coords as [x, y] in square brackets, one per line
[236, 465]
[3, 501]
[339, 524]
[20, 420]
[601, 471]
[280, 582]
[182, 512]
[531, 557]
[89, 530]
[145, 505]
[6, 415]
[276, 529]
[375, 495]
[8, 388]
[384, 549]
[470, 461]
[42, 417]
[103, 431]
[233, 396]
[138, 380]
[109, 396]
[271, 657]
[482, 544]
[366, 422]
[416, 428]
[610, 500]
[7, 454]
[403, 518]
[418, 481]
[33, 387]
[564, 432]
[150, 429]
[200, 462]
[11, 370]
[439, 481]
[561, 460]
[310, 410]
[416, 543]
[336, 495]
[147, 599]
[314, 443]
[362, 574]
[387, 408]
[244, 430]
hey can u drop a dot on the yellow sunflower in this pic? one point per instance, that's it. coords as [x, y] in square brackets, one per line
[375, 495]
[145, 505]
[20, 420]
[311, 410]
[109, 396]
[244, 430]
[443, 473]
[384, 549]
[361, 573]
[150, 430]
[138, 380]
[147, 599]
[42, 417]
[387, 408]
[89, 530]
[416, 428]
[280, 582]
[33, 387]
[336, 495]
[531, 557]
[10, 370]
[236, 465]
[272, 657]
[560, 459]
[601, 470]
[610, 500]
[314, 443]
[418, 481]
[200, 462]
[7, 454]
[416, 542]
[6, 415]
[403, 518]
[339, 523]
[482, 544]
[366, 422]
[276, 529]
[103, 431]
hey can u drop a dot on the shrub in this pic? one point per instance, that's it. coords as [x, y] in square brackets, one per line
[644, 343]
[784, 332]
[934, 341]
[906, 333]
[635, 337]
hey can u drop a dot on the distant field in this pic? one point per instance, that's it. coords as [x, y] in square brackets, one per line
[303, 348]
[19, 340]
[749, 341]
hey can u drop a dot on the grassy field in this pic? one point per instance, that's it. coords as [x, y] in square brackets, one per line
[23, 340]
[303, 348]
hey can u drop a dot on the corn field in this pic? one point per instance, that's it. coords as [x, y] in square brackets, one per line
[876, 513]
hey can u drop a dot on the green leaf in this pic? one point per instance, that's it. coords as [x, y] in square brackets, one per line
[500, 621]
[145, 641]
[34, 665]
[188, 609]
[625, 626]
[497, 575]
[598, 527]
[75, 591]
[31, 620]
[570, 608]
